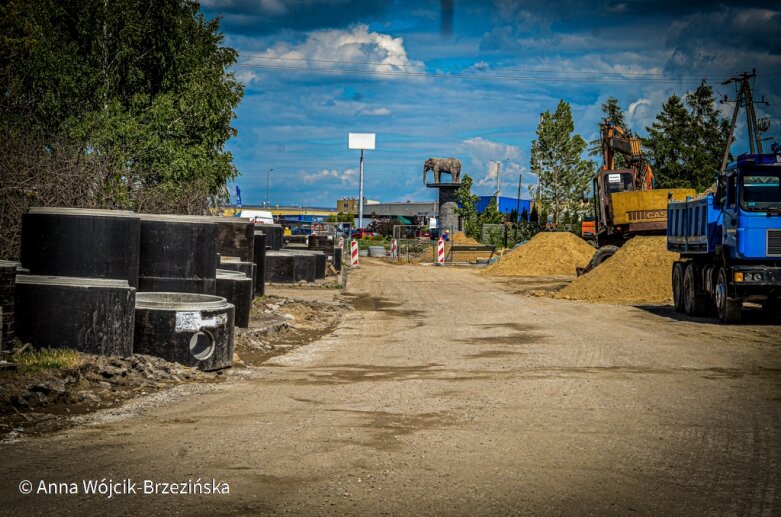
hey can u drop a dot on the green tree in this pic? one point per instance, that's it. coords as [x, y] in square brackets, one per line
[686, 141]
[340, 217]
[534, 216]
[614, 114]
[556, 159]
[144, 85]
[708, 135]
[467, 208]
[491, 214]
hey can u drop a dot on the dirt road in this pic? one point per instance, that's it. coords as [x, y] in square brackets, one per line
[445, 393]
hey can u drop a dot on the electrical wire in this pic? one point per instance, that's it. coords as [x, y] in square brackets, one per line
[504, 69]
[466, 76]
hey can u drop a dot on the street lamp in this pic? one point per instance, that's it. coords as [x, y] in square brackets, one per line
[268, 172]
[498, 180]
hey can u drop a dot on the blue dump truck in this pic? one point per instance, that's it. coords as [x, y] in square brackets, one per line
[730, 241]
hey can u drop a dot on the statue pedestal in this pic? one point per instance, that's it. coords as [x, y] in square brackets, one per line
[448, 206]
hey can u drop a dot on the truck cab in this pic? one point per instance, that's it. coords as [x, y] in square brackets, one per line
[749, 196]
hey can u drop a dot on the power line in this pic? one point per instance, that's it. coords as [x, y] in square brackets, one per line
[465, 76]
[527, 70]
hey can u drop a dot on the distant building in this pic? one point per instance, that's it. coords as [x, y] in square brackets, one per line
[349, 205]
[506, 204]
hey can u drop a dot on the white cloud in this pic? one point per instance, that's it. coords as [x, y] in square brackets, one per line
[352, 49]
[273, 7]
[329, 176]
[376, 112]
[636, 104]
[481, 153]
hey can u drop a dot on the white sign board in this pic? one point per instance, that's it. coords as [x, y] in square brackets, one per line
[614, 178]
[361, 141]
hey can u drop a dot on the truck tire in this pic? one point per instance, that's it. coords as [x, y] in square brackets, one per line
[729, 310]
[677, 281]
[695, 304]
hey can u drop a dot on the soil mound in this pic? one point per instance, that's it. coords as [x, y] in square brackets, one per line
[546, 254]
[638, 273]
[461, 238]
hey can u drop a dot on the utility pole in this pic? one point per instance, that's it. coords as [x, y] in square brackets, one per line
[268, 172]
[498, 180]
[744, 98]
[518, 206]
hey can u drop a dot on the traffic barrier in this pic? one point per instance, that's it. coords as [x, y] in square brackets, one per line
[353, 253]
[341, 243]
[441, 252]
[394, 251]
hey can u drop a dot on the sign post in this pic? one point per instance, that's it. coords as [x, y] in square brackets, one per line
[362, 142]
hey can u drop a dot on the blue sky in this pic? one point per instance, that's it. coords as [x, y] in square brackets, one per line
[466, 79]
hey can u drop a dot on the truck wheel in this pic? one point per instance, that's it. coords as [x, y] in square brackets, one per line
[694, 304]
[729, 310]
[677, 281]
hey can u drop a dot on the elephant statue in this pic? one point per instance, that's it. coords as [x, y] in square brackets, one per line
[451, 166]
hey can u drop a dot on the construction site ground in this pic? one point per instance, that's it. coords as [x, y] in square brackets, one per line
[448, 392]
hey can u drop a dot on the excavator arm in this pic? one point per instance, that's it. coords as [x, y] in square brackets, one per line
[616, 140]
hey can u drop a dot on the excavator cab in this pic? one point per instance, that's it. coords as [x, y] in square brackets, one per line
[605, 183]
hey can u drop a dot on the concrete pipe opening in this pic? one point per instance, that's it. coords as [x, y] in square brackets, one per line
[202, 345]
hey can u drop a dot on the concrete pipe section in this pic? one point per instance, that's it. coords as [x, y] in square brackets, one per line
[7, 296]
[322, 243]
[260, 263]
[235, 237]
[320, 259]
[236, 264]
[236, 287]
[191, 329]
[91, 315]
[178, 254]
[76, 242]
[286, 267]
[273, 235]
[338, 259]
[377, 251]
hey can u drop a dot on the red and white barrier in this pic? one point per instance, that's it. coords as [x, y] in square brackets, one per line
[341, 243]
[441, 252]
[394, 251]
[354, 253]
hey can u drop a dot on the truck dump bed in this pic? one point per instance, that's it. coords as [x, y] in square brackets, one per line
[692, 226]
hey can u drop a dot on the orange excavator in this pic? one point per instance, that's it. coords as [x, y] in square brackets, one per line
[625, 202]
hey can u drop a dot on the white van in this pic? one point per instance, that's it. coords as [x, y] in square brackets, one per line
[257, 216]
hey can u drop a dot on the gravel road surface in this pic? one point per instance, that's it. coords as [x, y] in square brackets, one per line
[446, 393]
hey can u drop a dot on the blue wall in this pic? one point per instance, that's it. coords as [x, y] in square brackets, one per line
[506, 204]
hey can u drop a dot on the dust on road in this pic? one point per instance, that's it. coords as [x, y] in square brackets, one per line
[445, 392]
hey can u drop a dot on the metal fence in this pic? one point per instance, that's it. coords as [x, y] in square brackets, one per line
[409, 243]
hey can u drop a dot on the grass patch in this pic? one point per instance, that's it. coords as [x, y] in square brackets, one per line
[47, 359]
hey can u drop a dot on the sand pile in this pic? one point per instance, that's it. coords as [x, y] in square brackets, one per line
[461, 238]
[546, 254]
[638, 273]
